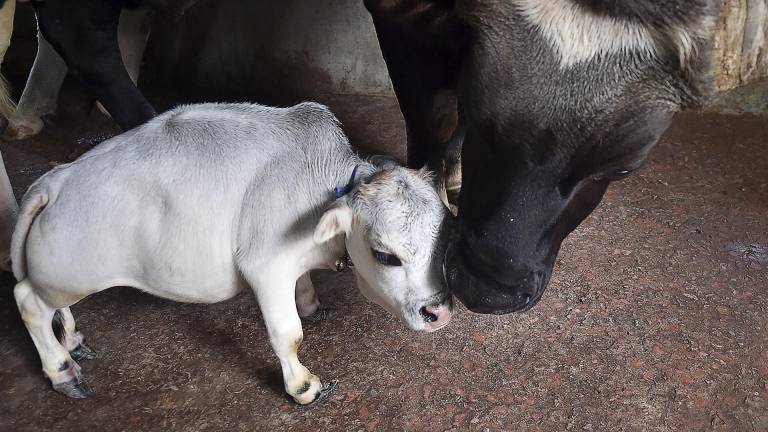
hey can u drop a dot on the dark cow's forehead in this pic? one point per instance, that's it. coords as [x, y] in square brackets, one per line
[569, 81]
[561, 54]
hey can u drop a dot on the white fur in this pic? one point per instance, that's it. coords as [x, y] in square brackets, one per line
[578, 35]
[203, 198]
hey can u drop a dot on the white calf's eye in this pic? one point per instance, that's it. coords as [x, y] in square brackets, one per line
[386, 259]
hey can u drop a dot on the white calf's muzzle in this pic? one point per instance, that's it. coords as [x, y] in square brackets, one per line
[436, 316]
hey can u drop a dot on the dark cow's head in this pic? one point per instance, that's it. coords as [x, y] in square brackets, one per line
[559, 98]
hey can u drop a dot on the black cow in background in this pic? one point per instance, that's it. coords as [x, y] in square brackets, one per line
[552, 99]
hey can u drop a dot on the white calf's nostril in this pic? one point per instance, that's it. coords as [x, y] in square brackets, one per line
[436, 316]
[428, 315]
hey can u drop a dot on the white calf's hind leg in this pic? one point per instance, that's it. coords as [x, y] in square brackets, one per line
[58, 366]
[278, 307]
[306, 298]
[73, 340]
[307, 303]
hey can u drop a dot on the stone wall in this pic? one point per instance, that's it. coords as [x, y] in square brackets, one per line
[741, 43]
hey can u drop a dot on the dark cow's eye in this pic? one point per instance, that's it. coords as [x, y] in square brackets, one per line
[386, 259]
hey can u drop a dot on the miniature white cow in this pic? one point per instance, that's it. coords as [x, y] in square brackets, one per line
[206, 199]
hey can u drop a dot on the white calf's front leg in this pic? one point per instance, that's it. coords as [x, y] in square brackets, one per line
[306, 297]
[307, 303]
[278, 308]
[58, 366]
[40, 93]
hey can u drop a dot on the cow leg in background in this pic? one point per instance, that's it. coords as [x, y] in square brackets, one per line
[84, 33]
[49, 70]
[7, 10]
[40, 93]
[132, 35]
[9, 211]
[422, 43]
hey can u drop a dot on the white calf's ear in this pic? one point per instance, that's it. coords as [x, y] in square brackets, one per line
[336, 220]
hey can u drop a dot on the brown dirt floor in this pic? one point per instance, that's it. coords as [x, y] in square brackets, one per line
[655, 319]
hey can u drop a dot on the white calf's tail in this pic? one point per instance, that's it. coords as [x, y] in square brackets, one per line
[34, 201]
[6, 28]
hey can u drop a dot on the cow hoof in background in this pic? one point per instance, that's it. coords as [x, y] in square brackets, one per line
[19, 130]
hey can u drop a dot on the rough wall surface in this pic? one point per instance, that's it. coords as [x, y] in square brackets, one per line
[296, 46]
[741, 43]
[329, 46]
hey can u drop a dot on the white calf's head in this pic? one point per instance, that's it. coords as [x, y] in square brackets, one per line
[392, 221]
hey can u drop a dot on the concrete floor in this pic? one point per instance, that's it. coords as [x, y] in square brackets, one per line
[655, 319]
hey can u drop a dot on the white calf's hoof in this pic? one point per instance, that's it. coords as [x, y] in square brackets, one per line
[82, 352]
[69, 381]
[76, 388]
[316, 392]
[322, 313]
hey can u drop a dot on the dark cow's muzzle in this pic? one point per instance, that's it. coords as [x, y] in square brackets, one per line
[483, 292]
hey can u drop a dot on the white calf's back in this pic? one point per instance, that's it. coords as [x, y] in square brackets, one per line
[168, 203]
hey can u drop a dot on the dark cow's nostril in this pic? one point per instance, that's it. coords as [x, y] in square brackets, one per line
[428, 316]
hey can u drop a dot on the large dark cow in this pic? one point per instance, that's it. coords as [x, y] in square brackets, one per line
[553, 100]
